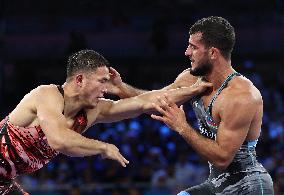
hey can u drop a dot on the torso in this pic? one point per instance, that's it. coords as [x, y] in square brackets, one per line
[24, 115]
[235, 86]
[209, 120]
[28, 149]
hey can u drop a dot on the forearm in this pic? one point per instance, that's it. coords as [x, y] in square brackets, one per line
[111, 111]
[76, 145]
[132, 107]
[126, 91]
[207, 148]
[178, 96]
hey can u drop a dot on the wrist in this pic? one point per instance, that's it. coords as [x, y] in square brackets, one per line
[103, 147]
[194, 90]
[184, 128]
[121, 89]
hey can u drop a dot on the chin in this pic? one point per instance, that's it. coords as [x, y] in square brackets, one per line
[201, 70]
[92, 105]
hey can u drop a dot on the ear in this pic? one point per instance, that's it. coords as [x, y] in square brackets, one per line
[213, 53]
[79, 79]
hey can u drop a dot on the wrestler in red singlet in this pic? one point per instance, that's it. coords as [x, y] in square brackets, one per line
[25, 150]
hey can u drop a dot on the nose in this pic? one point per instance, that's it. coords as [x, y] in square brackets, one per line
[104, 90]
[188, 51]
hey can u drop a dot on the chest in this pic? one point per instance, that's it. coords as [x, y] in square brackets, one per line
[213, 105]
[78, 123]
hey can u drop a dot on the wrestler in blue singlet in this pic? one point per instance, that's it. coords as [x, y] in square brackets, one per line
[244, 175]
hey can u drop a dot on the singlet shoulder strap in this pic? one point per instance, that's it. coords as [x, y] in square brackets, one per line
[224, 84]
[60, 89]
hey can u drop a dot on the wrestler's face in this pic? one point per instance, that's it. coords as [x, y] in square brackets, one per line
[95, 86]
[199, 56]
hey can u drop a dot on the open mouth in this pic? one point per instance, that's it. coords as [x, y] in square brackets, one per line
[101, 96]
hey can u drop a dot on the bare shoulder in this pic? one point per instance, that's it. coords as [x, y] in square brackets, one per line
[25, 112]
[241, 91]
[241, 104]
[47, 91]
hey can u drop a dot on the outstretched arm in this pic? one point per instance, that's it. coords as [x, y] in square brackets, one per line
[110, 111]
[118, 87]
[63, 139]
[236, 118]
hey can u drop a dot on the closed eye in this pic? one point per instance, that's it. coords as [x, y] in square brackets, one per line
[104, 80]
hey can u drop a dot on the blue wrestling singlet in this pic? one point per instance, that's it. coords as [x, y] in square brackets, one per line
[244, 175]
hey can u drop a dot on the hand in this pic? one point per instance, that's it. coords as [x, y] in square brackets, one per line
[112, 152]
[115, 81]
[201, 86]
[172, 115]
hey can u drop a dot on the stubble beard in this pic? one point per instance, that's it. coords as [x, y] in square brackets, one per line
[203, 69]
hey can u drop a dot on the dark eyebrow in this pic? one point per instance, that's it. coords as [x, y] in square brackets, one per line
[192, 44]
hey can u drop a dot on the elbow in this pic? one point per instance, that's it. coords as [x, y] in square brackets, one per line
[57, 144]
[221, 165]
[223, 162]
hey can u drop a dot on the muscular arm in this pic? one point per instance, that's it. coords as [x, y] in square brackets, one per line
[126, 91]
[117, 87]
[60, 137]
[236, 116]
[123, 90]
[110, 111]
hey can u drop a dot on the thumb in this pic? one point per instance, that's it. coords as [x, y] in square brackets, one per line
[181, 108]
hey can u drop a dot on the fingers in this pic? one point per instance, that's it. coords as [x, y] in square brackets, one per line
[165, 103]
[116, 155]
[206, 84]
[165, 120]
[169, 102]
[181, 108]
[122, 160]
[159, 109]
[159, 118]
[113, 71]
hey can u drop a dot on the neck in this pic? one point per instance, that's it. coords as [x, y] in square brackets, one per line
[219, 73]
[72, 103]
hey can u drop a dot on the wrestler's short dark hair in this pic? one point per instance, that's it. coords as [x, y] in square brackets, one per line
[85, 60]
[216, 32]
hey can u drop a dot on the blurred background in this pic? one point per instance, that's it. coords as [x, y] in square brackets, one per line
[145, 41]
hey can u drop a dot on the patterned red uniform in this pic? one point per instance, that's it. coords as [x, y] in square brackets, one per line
[25, 150]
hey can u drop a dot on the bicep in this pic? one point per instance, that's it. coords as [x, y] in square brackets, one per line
[234, 126]
[49, 114]
[49, 117]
